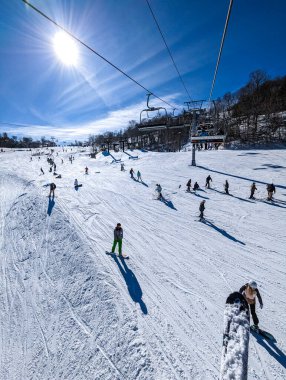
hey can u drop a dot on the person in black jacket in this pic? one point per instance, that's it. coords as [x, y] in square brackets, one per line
[226, 187]
[189, 184]
[52, 189]
[202, 209]
[208, 180]
[252, 190]
[118, 236]
[270, 190]
[250, 291]
[196, 186]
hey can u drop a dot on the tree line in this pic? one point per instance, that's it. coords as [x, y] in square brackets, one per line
[255, 114]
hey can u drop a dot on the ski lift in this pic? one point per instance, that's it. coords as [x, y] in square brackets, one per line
[158, 122]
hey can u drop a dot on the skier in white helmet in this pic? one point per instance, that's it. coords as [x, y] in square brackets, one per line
[250, 291]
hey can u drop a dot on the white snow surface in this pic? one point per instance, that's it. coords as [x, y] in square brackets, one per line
[69, 311]
[235, 354]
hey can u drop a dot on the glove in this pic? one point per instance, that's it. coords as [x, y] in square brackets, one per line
[261, 306]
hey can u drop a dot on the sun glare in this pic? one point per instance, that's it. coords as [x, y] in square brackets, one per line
[65, 49]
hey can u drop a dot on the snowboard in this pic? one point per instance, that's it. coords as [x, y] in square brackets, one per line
[78, 185]
[263, 333]
[123, 256]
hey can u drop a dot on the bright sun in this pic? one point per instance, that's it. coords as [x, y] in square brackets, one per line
[66, 49]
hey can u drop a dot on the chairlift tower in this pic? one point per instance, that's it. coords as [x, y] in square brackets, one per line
[195, 108]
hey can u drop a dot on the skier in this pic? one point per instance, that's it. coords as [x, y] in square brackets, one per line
[118, 236]
[202, 209]
[139, 176]
[249, 292]
[226, 187]
[131, 173]
[208, 180]
[52, 189]
[159, 191]
[196, 186]
[42, 171]
[189, 184]
[252, 190]
[86, 170]
[270, 190]
[62, 161]
[122, 167]
[55, 167]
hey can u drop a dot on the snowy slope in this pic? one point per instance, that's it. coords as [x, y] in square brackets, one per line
[69, 311]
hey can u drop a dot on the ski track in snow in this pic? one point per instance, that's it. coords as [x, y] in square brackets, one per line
[69, 311]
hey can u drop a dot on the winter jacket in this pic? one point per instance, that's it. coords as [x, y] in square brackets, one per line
[118, 233]
[159, 188]
[189, 182]
[250, 297]
[202, 206]
[52, 186]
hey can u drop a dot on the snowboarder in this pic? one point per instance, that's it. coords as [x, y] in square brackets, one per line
[139, 176]
[122, 167]
[75, 183]
[86, 170]
[131, 173]
[118, 236]
[270, 190]
[252, 190]
[249, 292]
[52, 189]
[226, 187]
[196, 186]
[159, 191]
[202, 209]
[42, 171]
[208, 180]
[189, 184]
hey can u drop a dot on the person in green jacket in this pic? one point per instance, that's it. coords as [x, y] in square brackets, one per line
[118, 236]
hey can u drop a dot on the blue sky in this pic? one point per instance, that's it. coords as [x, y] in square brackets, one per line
[39, 96]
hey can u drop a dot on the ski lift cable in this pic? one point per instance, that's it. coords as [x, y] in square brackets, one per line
[221, 47]
[95, 52]
[169, 51]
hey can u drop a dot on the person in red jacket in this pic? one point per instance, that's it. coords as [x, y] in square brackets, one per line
[250, 291]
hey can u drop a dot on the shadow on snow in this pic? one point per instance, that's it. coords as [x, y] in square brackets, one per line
[132, 283]
[221, 231]
[50, 206]
[271, 348]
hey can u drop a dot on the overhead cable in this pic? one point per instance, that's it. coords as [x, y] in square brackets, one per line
[221, 47]
[95, 52]
[169, 51]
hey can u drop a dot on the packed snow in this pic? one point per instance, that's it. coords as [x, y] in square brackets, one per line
[69, 311]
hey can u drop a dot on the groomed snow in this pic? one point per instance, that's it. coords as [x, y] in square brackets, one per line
[69, 311]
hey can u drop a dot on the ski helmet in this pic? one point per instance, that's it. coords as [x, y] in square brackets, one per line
[252, 284]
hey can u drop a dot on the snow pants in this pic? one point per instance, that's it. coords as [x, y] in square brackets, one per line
[119, 241]
[253, 314]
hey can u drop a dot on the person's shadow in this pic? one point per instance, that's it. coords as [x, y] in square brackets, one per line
[50, 205]
[221, 231]
[272, 349]
[132, 283]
